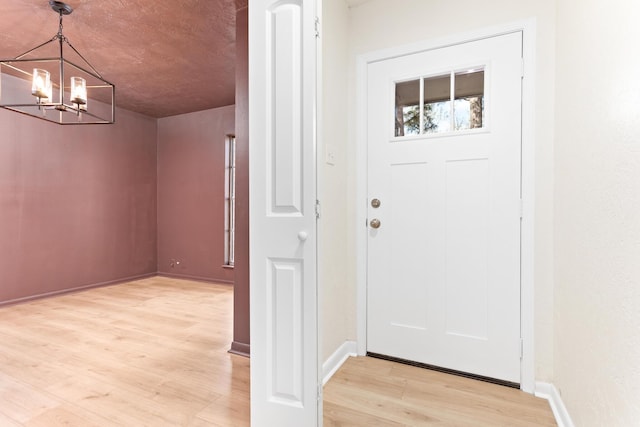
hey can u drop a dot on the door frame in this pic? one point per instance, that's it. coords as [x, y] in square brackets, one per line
[528, 28]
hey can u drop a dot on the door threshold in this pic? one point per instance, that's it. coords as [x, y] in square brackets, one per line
[504, 383]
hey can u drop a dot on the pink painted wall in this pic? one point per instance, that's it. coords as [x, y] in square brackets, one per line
[241, 342]
[77, 203]
[191, 166]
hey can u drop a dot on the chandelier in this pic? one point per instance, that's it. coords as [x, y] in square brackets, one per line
[54, 82]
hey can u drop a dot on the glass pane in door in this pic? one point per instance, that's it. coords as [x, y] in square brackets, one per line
[437, 104]
[407, 111]
[469, 100]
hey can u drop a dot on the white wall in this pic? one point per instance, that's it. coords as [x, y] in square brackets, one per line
[379, 24]
[337, 295]
[597, 228]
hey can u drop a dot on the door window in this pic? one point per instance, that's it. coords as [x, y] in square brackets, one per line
[439, 104]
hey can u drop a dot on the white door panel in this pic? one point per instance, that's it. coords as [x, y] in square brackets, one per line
[284, 361]
[444, 266]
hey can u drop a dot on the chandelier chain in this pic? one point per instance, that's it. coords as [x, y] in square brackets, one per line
[60, 36]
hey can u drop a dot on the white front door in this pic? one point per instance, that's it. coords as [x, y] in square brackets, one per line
[282, 97]
[444, 162]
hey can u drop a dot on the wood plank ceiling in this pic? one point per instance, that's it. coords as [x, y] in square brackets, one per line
[164, 57]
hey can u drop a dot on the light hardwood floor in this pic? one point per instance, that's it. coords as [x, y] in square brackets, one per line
[154, 353]
[374, 392]
[147, 353]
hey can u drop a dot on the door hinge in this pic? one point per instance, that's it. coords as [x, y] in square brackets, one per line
[319, 396]
[317, 209]
[317, 27]
[521, 348]
[522, 68]
[521, 208]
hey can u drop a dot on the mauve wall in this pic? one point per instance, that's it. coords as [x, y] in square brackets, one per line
[77, 203]
[191, 166]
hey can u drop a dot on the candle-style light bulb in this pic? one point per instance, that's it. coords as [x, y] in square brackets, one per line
[41, 84]
[78, 91]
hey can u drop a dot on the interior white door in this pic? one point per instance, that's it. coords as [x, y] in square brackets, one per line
[443, 284]
[282, 96]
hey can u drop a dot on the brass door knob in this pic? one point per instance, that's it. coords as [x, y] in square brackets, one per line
[375, 223]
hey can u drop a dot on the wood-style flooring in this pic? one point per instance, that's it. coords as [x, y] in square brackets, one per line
[153, 352]
[374, 392]
[147, 353]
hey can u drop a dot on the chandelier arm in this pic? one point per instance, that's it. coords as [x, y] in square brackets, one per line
[37, 47]
[83, 58]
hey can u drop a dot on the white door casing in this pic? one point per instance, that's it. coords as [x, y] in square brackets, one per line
[282, 96]
[469, 205]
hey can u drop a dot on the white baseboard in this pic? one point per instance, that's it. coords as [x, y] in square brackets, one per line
[550, 392]
[333, 363]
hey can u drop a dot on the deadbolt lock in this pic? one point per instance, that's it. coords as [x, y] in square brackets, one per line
[375, 203]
